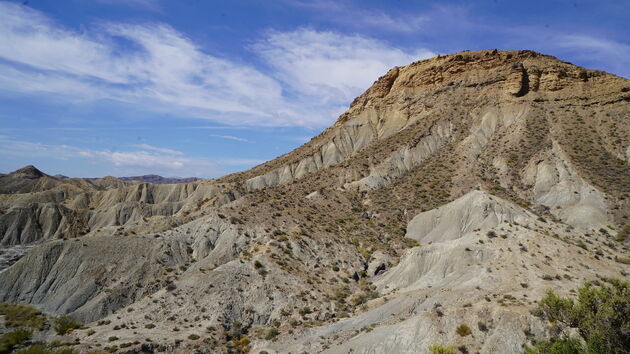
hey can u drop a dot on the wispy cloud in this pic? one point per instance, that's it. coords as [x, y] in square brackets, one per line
[144, 159]
[156, 68]
[229, 137]
[164, 69]
[595, 49]
[158, 149]
[330, 66]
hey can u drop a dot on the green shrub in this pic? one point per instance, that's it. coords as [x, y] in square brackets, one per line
[440, 349]
[22, 316]
[112, 339]
[622, 260]
[559, 346]
[12, 339]
[305, 311]
[65, 324]
[600, 313]
[149, 326]
[272, 334]
[463, 330]
[193, 337]
[623, 234]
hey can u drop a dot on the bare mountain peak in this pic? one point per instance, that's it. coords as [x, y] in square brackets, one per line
[29, 171]
[521, 71]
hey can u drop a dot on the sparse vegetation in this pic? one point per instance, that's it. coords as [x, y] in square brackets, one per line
[600, 313]
[623, 234]
[463, 330]
[440, 349]
[10, 340]
[46, 349]
[557, 346]
[305, 311]
[65, 324]
[272, 333]
[22, 316]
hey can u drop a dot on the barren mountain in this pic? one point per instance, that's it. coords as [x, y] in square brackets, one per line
[454, 191]
[159, 179]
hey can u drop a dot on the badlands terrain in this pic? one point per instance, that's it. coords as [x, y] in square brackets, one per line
[437, 210]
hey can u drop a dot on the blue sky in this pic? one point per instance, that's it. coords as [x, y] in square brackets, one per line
[204, 88]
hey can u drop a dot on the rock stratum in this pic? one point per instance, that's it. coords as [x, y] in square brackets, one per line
[455, 190]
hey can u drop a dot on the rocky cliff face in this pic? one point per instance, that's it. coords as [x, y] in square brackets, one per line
[455, 190]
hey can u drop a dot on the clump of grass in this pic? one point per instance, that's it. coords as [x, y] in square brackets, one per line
[17, 337]
[463, 330]
[440, 349]
[305, 311]
[22, 316]
[272, 333]
[65, 324]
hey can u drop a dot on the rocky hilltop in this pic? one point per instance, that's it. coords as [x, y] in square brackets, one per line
[455, 191]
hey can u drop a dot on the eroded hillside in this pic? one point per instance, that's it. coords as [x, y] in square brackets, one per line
[456, 190]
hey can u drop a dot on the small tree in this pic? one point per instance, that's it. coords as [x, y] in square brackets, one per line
[601, 314]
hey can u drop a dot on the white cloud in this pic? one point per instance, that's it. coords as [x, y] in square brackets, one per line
[330, 66]
[158, 149]
[593, 49]
[165, 69]
[230, 137]
[314, 75]
[146, 159]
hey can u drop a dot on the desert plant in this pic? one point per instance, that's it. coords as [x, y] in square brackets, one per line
[558, 346]
[440, 349]
[463, 330]
[22, 316]
[241, 345]
[44, 349]
[600, 314]
[65, 324]
[272, 333]
[10, 340]
[305, 311]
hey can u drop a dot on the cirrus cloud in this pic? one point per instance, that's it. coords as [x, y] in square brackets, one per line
[307, 77]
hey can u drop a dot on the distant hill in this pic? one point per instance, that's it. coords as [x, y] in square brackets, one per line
[159, 179]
